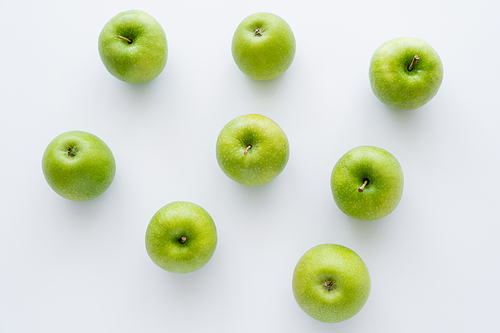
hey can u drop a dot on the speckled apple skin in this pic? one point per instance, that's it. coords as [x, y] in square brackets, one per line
[384, 190]
[343, 267]
[265, 56]
[264, 161]
[142, 60]
[170, 223]
[394, 84]
[83, 176]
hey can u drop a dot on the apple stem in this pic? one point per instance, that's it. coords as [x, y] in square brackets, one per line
[246, 150]
[182, 240]
[363, 186]
[71, 152]
[125, 38]
[415, 58]
[257, 32]
[329, 285]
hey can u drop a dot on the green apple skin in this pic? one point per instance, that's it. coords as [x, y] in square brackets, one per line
[331, 283]
[384, 188]
[141, 60]
[263, 161]
[78, 165]
[263, 46]
[394, 84]
[171, 223]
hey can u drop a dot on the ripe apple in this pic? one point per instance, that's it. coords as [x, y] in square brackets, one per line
[252, 150]
[181, 237]
[405, 73]
[78, 165]
[263, 46]
[367, 183]
[133, 47]
[331, 283]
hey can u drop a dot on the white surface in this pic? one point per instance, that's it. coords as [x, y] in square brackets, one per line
[82, 266]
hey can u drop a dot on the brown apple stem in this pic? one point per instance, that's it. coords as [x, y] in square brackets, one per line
[415, 58]
[246, 150]
[363, 186]
[257, 32]
[329, 285]
[125, 38]
[71, 152]
[182, 240]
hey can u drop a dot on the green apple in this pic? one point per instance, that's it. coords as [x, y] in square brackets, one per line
[181, 237]
[367, 183]
[78, 165]
[263, 46]
[133, 47]
[331, 283]
[405, 73]
[252, 150]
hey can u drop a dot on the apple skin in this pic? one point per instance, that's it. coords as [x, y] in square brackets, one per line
[349, 278]
[266, 158]
[266, 54]
[143, 59]
[82, 174]
[394, 84]
[384, 189]
[165, 230]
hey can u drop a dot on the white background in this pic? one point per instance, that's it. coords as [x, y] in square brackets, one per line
[82, 266]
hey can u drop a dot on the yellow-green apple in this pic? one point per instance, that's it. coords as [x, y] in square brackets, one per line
[331, 283]
[405, 73]
[78, 165]
[133, 47]
[367, 183]
[181, 237]
[252, 150]
[263, 46]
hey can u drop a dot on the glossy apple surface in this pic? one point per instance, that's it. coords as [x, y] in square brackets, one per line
[252, 150]
[402, 81]
[181, 237]
[367, 183]
[133, 47]
[78, 165]
[331, 283]
[263, 46]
